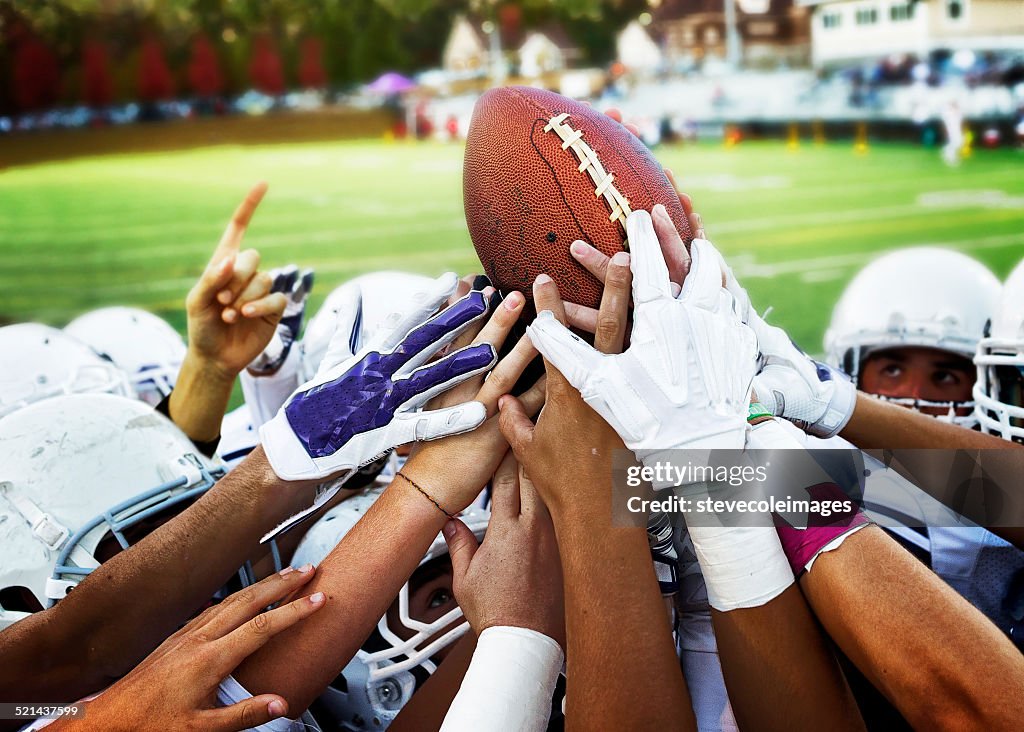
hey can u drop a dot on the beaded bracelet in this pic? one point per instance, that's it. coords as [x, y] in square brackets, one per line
[429, 497]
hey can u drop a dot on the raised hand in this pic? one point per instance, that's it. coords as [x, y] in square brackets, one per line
[362, 404]
[514, 578]
[685, 379]
[232, 314]
[458, 467]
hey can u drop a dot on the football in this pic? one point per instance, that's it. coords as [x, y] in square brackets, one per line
[541, 171]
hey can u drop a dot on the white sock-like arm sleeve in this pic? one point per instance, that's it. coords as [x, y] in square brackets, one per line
[509, 683]
[266, 394]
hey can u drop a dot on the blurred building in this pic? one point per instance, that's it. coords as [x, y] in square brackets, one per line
[531, 53]
[770, 31]
[467, 49]
[636, 50]
[545, 50]
[856, 30]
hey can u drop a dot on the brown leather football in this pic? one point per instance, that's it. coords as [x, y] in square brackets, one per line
[540, 172]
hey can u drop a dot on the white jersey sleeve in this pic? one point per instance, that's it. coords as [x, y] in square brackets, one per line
[231, 692]
[265, 395]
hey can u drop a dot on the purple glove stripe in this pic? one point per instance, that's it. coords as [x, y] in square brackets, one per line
[422, 337]
[291, 275]
[365, 397]
[452, 368]
[305, 286]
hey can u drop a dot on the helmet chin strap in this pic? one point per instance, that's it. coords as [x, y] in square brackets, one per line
[48, 530]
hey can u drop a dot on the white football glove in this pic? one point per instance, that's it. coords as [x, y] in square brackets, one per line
[685, 380]
[814, 396]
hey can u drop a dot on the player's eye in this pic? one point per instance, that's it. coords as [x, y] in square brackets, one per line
[892, 370]
[946, 378]
[439, 598]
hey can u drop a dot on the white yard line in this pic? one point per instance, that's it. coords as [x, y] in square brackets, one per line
[746, 266]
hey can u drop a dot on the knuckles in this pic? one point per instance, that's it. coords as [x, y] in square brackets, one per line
[260, 624]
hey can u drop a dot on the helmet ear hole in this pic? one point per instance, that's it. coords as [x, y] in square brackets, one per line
[19, 599]
[848, 362]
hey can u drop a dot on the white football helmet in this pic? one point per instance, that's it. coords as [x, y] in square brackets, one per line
[383, 293]
[921, 296]
[999, 390]
[141, 344]
[37, 362]
[79, 475]
[381, 678]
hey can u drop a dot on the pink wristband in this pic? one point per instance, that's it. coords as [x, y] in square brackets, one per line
[802, 546]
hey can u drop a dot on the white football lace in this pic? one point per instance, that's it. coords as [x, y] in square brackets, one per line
[589, 162]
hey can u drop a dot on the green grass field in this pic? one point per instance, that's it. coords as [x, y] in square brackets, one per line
[796, 225]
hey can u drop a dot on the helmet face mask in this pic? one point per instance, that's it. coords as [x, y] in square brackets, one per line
[917, 298]
[408, 641]
[115, 524]
[83, 476]
[38, 362]
[999, 389]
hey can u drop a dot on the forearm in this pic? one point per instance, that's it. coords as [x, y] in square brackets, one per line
[429, 705]
[40, 662]
[131, 603]
[879, 424]
[200, 398]
[615, 618]
[885, 611]
[779, 670]
[361, 577]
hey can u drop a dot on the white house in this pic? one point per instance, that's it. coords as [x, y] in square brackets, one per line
[465, 50]
[852, 30]
[636, 50]
[539, 55]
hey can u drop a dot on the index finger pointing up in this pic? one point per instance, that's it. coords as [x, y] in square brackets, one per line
[233, 234]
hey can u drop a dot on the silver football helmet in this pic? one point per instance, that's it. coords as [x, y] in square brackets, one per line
[999, 390]
[38, 362]
[381, 678]
[141, 344]
[382, 294]
[921, 296]
[82, 477]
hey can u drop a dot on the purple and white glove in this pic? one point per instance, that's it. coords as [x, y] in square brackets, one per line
[297, 287]
[359, 406]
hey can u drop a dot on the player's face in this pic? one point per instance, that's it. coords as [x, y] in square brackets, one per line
[919, 373]
[430, 597]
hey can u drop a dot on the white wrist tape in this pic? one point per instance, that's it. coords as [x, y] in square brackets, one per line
[509, 683]
[743, 566]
